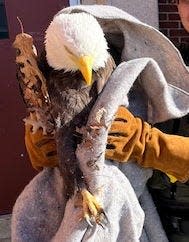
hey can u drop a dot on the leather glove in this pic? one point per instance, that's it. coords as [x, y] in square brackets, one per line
[132, 138]
[41, 148]
[129, 138]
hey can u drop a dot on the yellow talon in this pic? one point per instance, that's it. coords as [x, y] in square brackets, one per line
[92, 209]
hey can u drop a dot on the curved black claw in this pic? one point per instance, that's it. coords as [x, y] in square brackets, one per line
[92, 210]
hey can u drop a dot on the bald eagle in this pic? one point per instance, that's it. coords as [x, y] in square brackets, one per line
[76, 64]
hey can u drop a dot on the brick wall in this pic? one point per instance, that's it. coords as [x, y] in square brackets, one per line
[170, 24]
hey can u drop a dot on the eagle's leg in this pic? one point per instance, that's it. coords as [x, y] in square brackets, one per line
[92, 209]
[73, 176]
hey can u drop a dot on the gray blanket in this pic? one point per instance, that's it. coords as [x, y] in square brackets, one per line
[153, 82]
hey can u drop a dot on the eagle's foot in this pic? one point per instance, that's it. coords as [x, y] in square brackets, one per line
[92, 209]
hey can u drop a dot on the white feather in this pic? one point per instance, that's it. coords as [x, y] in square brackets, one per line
[78, 33]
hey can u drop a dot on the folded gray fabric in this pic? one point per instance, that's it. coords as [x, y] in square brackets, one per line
[153, 82]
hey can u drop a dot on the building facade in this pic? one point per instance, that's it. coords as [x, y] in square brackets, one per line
[170, 24]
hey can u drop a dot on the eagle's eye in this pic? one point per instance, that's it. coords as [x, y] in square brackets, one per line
[68, 50]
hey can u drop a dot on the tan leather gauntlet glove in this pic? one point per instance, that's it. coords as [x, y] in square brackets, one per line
[132, 138]
[41, 148]
[129, 138]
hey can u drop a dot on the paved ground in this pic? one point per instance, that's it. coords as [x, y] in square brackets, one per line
[5, 228]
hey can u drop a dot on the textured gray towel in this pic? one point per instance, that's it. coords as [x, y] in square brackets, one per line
[154, 83]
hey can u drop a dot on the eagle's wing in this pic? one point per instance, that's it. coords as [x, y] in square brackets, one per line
[103, 74]
[32, 83]
[31, 79]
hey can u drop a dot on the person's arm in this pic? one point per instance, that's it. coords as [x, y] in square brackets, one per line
[132, 138]
[129, 138]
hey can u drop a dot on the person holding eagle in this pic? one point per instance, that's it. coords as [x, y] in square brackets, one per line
[149, 145]
[76, 70]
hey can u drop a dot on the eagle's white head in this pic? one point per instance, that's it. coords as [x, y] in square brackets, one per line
[76, 42]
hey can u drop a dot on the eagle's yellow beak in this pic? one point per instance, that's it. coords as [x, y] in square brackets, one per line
[85, 66]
